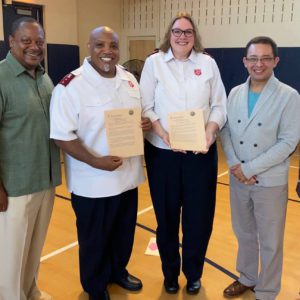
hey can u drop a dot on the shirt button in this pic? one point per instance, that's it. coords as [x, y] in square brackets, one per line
[259, 124]
[242, 161]
[239, 121]
[255, 145]
[241, 142]
[256, 181]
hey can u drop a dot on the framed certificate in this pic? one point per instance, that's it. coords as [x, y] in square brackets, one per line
[187, 130]
[124, 132]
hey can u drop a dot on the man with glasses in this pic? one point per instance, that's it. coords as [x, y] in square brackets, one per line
[262, 131]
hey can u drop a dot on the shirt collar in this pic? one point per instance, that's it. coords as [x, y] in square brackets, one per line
[169, 56]
[18, 68]
[96, 78]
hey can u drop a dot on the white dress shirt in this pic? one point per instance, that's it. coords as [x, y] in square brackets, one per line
[77, 111]
[170, 85]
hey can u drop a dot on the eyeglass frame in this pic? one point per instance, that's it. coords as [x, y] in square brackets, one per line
[184, 32]
[263, 60]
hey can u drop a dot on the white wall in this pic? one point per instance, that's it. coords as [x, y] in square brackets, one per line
[60, 20]
[70, 21]
[222, 23]
[94, 13]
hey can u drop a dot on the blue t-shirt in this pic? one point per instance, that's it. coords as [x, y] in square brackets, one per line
[252, 99]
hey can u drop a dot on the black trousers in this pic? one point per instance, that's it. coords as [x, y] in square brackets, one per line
[182, 185]
[105, 228]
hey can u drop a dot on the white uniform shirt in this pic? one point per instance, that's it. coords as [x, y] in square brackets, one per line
[77, 111]
[169, 85]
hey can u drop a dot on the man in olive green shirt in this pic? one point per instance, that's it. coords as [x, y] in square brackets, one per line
[29, 162]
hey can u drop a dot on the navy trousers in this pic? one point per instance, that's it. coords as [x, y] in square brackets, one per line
[182, 185]
[105, 228]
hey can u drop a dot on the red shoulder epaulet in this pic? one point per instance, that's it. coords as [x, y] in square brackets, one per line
[153, 52]
[67, 79]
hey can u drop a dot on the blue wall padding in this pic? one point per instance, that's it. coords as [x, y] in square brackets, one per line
[2, 50]
[233, 71]
[62, 59]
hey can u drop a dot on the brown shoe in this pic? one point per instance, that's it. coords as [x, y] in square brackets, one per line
[236, 289]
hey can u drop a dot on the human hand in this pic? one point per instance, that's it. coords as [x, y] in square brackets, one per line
[202, 152]
[210, 138]
[236, 170]
[250, 181]
[146, 124]
[107, 163]
[210, 135]
[166, 139]
[179, 150]
[3, 199]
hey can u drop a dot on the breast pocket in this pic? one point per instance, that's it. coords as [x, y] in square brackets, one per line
[19, 106]
[198, 92]
[129, 96]
[92, 114]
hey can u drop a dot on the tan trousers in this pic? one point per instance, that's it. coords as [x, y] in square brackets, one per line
[258, 219]
[23, 229]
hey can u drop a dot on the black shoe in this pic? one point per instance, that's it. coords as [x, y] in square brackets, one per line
[193, 287]
[103, 296]
[130, 283]
[171, 286]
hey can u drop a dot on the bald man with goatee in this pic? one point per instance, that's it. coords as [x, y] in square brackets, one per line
[103, 187]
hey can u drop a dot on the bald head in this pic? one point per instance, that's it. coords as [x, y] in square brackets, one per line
[103, 47]
[95, 33]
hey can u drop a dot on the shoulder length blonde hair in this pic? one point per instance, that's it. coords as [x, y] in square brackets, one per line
[165, 45]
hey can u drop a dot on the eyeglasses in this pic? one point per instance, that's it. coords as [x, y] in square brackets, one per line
[263, 60]
[178, 32]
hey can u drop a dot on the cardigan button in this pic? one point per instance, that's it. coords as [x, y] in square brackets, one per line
[255, 145]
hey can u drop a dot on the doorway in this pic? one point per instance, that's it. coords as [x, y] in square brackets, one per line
[16, 10]
[141, 48]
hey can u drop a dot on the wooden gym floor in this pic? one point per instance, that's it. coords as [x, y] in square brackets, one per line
[59, 274]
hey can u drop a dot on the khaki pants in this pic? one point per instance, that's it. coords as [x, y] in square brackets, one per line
[23, 229]
[258, 220]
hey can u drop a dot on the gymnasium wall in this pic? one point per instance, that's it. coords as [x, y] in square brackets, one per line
[94, 13]
[225, 26]
[60, 23]
[67, 25]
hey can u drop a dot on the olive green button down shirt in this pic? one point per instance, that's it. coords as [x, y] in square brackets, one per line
[29, 160]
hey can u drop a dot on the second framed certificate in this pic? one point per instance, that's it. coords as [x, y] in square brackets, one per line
[187, 130]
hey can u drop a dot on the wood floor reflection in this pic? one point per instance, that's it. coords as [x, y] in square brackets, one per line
[59, 274]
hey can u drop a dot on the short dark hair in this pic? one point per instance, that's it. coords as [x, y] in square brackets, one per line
[17, 23]
[165, 45]
[263, 40]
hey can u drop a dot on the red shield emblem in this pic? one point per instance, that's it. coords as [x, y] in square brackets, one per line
[130, 84]
[197, 72]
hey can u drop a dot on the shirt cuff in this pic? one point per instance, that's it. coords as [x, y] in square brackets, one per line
[151, 115]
